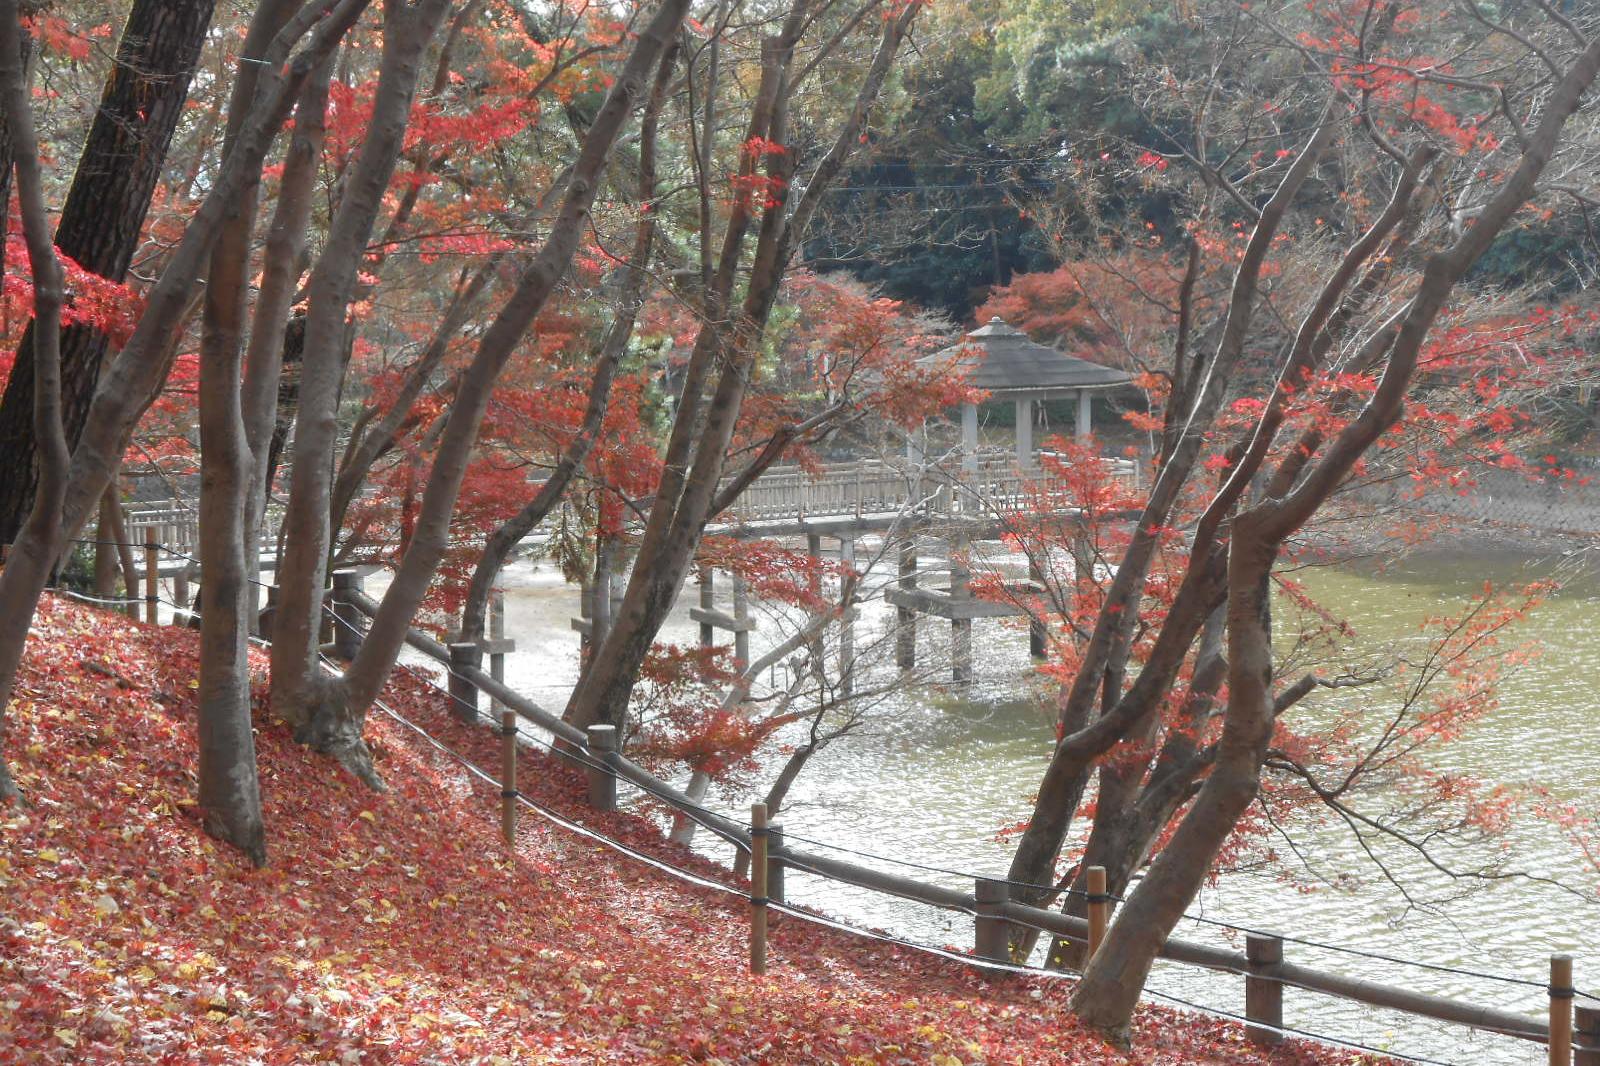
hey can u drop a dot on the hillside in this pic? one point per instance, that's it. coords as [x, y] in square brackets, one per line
[395, 928]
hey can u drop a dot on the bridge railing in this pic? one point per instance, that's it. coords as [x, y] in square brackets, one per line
[874, 486]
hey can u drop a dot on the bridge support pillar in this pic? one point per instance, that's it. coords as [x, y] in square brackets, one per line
[847, 629]
[741, 614]
[905, 635]
[960, 628]
[708, 632]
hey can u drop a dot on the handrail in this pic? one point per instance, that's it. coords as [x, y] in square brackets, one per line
[1421, 1004]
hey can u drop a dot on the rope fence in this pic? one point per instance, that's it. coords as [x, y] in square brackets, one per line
[1571, 1033]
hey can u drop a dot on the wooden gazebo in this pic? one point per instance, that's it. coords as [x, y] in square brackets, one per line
[1009, 366]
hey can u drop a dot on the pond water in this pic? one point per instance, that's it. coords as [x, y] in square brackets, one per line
[940, 771]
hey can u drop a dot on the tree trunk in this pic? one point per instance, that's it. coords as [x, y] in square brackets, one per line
[229, 792]
[101, 220]
[35, 553]
[504, 540]
[301, 693]
[1115, 978]
[697, 450]
[274, 344]
[131, 383]
[387, 634]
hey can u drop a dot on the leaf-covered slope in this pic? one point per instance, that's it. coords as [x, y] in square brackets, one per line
[395, 928]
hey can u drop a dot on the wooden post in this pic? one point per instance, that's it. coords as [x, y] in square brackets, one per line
[463, 693]
[905, 643]
[1263, 996]
[152, 576]
[960, 628]
[741, 614]
[775, 867]
[758, 888]
[847, 628]
[180, 592]
[508, 777]
[708, 601]
[1586, 1046]
[346, 618]
[498, 644]
[1099, 909]
[602, 780]
[1561, 996]
[990, 938]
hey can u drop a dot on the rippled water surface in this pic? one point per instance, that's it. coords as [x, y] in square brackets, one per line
[939, 773]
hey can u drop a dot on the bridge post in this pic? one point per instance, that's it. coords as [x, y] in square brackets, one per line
[741, 613]
[847, 629]
[347, 620]
[960, 628]
[708, 632]
[905, 635]
[1082, 553]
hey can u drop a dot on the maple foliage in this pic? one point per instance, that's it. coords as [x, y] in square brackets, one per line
[395, 928]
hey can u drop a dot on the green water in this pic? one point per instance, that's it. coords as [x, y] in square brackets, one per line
[938, 774]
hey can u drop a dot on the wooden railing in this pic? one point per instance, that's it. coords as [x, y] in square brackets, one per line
[874, 487]
[1263, 965]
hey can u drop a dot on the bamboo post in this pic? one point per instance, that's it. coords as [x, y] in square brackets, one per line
[602, 781]
[758, 888]
[346, 618]
[1099, 909]
[775, 866]
[152, 576]
[990, 938]
[508, 776]
[464, 658]
[1263, 995]
[1586, 1046]
[1561, 995]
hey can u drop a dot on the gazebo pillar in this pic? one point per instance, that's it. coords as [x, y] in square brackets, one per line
[1025, 432]
[969, 436]
[1084, 427]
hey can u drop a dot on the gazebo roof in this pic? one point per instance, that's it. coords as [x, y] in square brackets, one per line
[1012, 363]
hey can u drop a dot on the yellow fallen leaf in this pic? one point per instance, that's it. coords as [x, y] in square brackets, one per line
[68, 1037]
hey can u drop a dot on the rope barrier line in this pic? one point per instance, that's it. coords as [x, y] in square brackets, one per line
[691, 810]
[849, 928]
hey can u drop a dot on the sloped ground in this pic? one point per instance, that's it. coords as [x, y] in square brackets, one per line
[395, 927]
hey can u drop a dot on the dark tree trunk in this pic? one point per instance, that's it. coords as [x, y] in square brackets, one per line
[102, 218]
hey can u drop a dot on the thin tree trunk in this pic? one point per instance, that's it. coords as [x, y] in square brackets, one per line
[229, 791]
[270, 342]
[504, 540]
[131, 383]
[387, 635]
[298, 684]
[34, 555]
[696, 452]
[102, 217]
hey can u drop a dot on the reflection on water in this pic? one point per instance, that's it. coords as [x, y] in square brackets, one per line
[937, 776]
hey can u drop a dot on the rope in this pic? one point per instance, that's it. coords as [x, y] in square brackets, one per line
[944, 953]
[699, 813]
